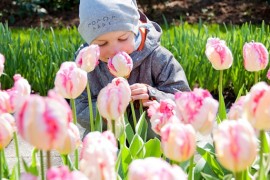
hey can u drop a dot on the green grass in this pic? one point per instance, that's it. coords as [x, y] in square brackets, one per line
[37, 53]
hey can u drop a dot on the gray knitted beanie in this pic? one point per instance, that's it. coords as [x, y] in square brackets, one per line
[98, 17]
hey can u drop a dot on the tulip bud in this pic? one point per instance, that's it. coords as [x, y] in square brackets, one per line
[28, 176]
[42, 122]
[255, 56]
[236, 144]
[178, 141]
[88, 57]
[72, 140]
[114, 98]
[119, 126]
[154, 168]
[236, 110]
[268, 74]
[19, 92]
[63, 173]
[98, 156]
[70, 81]
[256, 107]
[6, 129]
[161, 114]
[218, 54]
[120, 65]
[5, 104]
[197, 108]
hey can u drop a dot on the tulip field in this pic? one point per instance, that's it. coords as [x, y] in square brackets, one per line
[39, 73]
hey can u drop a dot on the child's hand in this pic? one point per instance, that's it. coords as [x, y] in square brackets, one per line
[140, 92]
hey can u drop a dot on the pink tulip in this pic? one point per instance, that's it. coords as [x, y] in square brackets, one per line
[2, 61]
[42, 121]
[257, 105]
[178, 141]
[21, 85]
[236, 144]
[72, 140]
[120, 65]
[113, 99]
[154, 168]
[54, 95]
[268, 74]
[197, 108]
[98, 156]
[63, 173]
[5, 103]
[7, 128]
[28, 176]
[161, 114]
[119, 126]
[218, 54]
[19, 92]
[255, 56]
[70, 81]
[88, 57]
[236, 110]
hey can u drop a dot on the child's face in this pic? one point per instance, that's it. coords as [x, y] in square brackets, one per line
[113, 42]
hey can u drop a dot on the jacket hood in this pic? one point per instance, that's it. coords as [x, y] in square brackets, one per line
[152, 41]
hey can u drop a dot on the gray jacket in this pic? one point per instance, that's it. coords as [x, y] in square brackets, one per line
[154, 65]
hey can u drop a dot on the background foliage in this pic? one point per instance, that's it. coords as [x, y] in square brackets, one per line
[37, 53]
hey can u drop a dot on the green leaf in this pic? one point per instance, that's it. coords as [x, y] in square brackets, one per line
[265, 142]
[142, 127]
[125, 160]
[98, 121]
[14, 174]
[240, 92]
[153, 148]
[209, 177]
[129, 131]
[140, 123]
[211, 160]
[137, 149]
[203, 167]
[4, 165]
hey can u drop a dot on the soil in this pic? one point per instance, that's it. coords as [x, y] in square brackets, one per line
[209, 11]
[191, 11]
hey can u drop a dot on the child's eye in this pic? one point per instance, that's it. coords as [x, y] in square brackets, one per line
[123, 39]
[103, 44]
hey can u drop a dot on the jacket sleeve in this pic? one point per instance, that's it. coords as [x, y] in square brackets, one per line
[167, 74]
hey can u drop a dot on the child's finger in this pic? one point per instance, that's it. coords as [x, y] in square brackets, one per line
[140, 96]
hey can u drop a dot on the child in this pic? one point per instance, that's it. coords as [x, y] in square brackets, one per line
[118, 25]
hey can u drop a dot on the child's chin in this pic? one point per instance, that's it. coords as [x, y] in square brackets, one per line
[104, 60]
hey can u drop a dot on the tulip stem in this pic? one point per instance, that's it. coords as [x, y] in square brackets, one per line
[72, 101]
[256, 77]
[17, 152]
[1, 162]
[261, 170]
[76, 159]
[238, 175]
[141, 108]
[48, 153]
[220, 89]
[92, 125]
[133, 114]
[41, 165]
[190, 170]
[113, 126]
